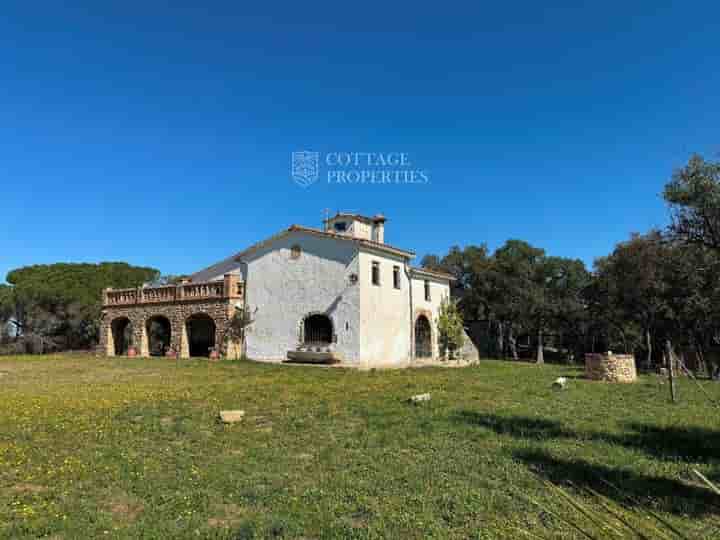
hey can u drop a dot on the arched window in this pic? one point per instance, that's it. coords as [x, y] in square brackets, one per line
[295, 252]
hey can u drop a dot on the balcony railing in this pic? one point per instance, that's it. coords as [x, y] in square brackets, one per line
[229, 287]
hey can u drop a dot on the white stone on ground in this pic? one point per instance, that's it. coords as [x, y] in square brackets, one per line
[230, 417]
[420, 398]
[560, 383]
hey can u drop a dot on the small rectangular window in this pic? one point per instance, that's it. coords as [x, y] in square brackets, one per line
[375, 273]
[396, 277]
[427, 290]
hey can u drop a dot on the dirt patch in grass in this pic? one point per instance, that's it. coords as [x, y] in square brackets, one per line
[125, 508]
[28, 488]
[357, 522]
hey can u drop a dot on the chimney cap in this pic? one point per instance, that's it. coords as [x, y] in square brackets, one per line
[379, 218]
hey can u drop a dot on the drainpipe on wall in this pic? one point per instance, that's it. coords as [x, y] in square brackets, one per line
[410, 301]
[243, 346]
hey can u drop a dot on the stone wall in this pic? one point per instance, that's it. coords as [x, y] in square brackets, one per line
[220, 310]
[610, 367]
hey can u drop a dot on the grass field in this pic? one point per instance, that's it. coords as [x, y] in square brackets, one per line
[131, 448]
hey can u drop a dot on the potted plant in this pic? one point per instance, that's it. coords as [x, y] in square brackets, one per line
[131, 351]
[214, 353]
[170, 352]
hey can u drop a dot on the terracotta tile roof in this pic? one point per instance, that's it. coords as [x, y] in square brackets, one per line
[433, 273]
[369, 243]
[299, 228]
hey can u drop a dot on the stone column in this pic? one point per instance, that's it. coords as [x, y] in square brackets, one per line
[140, 336]
[104, 340]
[177, 327]
[230, 285]
[107, 343]
[184, 346]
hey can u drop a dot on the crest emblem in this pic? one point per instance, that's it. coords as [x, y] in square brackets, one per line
[305, 168]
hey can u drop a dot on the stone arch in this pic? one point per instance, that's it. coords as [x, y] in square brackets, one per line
[201, 334]
[120, 336]
[423, 337]
[317, 329]
[158, 330]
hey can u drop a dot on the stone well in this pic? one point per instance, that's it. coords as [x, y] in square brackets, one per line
[610, 367]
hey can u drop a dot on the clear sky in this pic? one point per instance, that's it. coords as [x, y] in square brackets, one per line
[162, 135]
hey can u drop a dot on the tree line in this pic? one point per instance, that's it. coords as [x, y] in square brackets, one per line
[45, 308]
[657, 287]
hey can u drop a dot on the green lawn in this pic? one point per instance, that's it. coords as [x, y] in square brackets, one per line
[131, 448]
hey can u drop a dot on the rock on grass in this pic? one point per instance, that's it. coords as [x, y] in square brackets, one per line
[231, 417]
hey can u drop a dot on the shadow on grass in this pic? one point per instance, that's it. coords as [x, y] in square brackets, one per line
[691, 444]
[516, 426]
[629, 488]
[684, 443]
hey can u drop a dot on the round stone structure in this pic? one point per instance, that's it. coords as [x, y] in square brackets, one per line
[610, 367]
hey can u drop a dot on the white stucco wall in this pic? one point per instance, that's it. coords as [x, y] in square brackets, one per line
[362, 230]
[355, 227]
[284, 290]
[439, 289]
[384, 312]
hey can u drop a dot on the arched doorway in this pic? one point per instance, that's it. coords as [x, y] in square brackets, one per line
[122, 335]
[159, 332]
[317, 330]
[423, 338]
[200, 334]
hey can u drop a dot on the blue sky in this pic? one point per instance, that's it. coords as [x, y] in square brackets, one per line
[162, 135]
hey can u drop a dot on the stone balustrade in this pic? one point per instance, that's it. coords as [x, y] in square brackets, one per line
[230, 287]
[610, 367]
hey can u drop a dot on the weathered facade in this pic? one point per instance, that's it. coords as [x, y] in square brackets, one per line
[191, 317]
[340, 295]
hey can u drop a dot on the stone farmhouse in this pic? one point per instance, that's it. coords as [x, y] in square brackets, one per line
[338, 295]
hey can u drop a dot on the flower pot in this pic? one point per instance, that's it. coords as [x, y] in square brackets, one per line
[170, 353]
[214, 355]
[132, 351]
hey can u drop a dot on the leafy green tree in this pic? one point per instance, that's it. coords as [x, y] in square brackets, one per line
[432, 262]
[518, 290]
[563, 307]
[692, 294]
[450, 326]
[636, 285]
[468, 266]
[242, 319]
[514, 295]
[694, 198]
